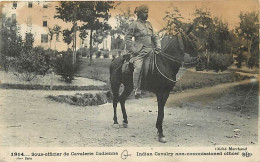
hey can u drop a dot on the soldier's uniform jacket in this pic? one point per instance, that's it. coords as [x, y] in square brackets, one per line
[145, 38]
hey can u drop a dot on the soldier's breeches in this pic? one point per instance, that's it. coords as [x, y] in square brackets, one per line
[137, 73]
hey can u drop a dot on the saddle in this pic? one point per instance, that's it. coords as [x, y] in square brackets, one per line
[147, 68]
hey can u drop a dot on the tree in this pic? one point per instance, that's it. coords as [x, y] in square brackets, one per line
[203, 25]
[56, 31]
[174, 21]
[96, 20]
[51, 33]
[248, 30]
[93, 15]
[28, 42]
[123, 20]
[32, 61]
[70, 12]
[67, 36]
[219, 39]
[11, 41]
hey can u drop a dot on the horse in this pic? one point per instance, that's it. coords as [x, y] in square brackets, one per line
[161, 80]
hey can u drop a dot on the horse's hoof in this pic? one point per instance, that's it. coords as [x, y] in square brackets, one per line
[125, 125]
[162, 139]
[116, 126]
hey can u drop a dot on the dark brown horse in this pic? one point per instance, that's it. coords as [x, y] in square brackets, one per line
[160, 78]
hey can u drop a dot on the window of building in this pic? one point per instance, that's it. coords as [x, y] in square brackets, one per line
[29, 21]
[45, 5]
[15, 4]
[13, 18]
[44, 38]
[30, 4]
[44, 23]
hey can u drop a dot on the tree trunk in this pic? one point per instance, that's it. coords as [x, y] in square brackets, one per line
[55, 48]
[74, 45]
[90, 45]
[50, 44]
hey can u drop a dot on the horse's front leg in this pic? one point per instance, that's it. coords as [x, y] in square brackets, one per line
[127, 91]
[161, 99]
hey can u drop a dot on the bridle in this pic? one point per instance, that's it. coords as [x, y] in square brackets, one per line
[179, 37]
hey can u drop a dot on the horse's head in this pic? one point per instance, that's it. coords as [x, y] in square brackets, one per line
[180, 44]
[191, 43]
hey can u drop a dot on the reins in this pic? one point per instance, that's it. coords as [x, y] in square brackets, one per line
[173, 58]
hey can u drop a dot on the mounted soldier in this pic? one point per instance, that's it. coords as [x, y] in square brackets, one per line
[146, 42]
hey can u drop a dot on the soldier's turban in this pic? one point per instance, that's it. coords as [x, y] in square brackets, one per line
[141, 9]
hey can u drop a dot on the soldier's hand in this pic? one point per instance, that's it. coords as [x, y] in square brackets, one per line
[158, 50]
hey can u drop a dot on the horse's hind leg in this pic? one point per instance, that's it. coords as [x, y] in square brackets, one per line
[115, 91]
[127, 91]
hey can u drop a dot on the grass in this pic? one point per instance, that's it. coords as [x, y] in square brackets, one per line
[243, 98]
[99, 69]
[193, 80]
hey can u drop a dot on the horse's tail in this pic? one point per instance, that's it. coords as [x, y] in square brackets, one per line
[115, 65]
[110, 71]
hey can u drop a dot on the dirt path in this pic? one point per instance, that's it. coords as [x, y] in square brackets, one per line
[201, 117]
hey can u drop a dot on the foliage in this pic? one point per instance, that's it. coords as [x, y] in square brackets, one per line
[11, 41]
[83, 51]
[106, 55]
[253, 60]
[174, 20]
[92, 14]
[98, 54]
[67, 36]
[28, 43]
[218, 40]
[51, 34]
[220, 61]
[203, 25]
[123, 20]
[117, 43]
[213, 33]
[63, 66]
[56, 30]
[248, 30]
[86, 99]
[31, 63]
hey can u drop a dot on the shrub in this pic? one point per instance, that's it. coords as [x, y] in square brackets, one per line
[106, 55]
[31, 63]
[253, 60]
[86, 99]
[220, 61]
[63, 66]
[83, 51]
[98, 54]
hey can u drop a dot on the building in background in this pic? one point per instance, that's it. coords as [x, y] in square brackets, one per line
[37, 17]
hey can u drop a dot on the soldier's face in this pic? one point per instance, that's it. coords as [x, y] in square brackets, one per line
[143, 15]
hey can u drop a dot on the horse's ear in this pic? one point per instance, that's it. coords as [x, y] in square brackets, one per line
[189, 29]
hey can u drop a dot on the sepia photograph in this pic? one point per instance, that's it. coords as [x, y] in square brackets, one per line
[129, 80]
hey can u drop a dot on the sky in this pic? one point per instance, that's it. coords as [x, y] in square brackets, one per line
[226, 10]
